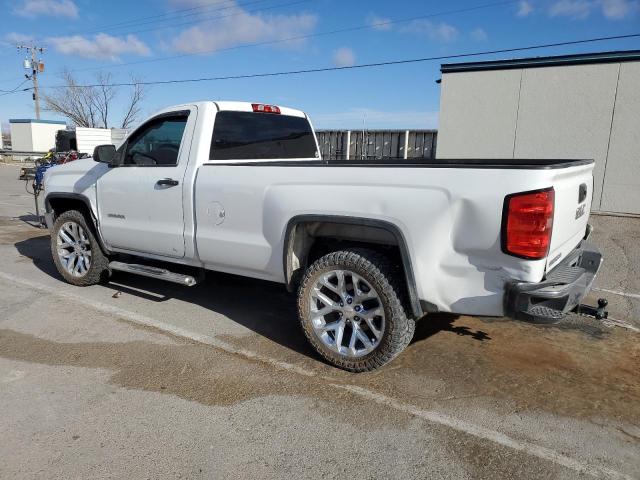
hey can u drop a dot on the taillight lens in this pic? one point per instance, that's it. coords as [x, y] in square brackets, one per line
[261, 108]
[527, 224]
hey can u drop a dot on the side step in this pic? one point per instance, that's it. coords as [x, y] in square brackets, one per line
[154, 272]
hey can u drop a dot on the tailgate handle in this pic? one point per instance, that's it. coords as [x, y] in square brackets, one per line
[582, 193]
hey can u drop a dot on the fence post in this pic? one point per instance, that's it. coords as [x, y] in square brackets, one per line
[406, 144]
[347, 155]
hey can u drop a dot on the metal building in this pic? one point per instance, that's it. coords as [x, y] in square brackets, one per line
[572, 106]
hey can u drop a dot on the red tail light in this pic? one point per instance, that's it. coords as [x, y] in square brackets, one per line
[527, 222]
[259, 107]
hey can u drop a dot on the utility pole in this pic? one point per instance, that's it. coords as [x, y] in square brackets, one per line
[37, 67]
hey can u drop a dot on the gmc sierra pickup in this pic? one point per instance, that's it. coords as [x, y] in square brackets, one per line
[369, 247]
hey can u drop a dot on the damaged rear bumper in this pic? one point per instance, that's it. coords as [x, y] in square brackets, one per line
[561, 292]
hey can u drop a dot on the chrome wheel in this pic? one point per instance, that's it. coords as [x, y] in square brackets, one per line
[74, 249]
[346, 313]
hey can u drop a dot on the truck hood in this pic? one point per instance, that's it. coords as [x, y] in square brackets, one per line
[74, 177]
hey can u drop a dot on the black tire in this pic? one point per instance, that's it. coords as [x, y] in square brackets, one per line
[380, 273]
[98, 270]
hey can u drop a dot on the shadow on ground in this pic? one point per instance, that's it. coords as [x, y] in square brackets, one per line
[444, 322]
[265, 308]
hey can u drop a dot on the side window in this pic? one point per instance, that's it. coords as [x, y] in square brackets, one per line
[156, 143]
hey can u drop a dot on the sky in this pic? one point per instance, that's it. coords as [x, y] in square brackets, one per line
[154, 40]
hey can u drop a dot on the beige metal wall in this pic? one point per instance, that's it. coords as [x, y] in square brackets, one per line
[478, 114]
[621, 192]
[580, 111]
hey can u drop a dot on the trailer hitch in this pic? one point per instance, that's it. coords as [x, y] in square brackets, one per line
[599, 312]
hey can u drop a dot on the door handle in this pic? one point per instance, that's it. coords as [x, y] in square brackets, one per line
[167, 182]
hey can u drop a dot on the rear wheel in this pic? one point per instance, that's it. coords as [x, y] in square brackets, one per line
[350, 308]
[76, 252]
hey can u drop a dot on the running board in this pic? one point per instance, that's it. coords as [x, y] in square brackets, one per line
[154, 272]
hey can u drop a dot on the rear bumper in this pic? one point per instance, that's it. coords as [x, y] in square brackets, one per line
[563, 289]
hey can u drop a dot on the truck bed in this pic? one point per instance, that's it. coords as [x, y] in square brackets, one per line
[448, 211]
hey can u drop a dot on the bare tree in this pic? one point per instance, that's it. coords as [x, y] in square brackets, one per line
[137, 95]
[104, 96]
[91, 105]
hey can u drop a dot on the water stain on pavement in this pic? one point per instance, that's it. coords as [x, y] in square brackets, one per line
[189, 370]
[582, 374]
[15, 230]
[564, 372]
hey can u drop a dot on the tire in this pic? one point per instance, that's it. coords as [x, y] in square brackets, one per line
[73, 246]
[376, 317]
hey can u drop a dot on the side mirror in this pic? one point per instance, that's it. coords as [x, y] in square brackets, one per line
[105, 154]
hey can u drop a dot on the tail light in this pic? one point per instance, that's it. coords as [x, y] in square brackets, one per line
[527, 221]
[259, 107]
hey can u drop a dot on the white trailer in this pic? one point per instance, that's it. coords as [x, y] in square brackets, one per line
[28, 135]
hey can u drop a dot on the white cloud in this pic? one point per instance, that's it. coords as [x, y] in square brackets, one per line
[356, 118]
[581, 9]
[575, 9]
[54, 8]
[618, 9]
[524, 8]
[101, 46]
[379, 23]
[193, 3]
[240, 27]
[14, 37]
[479, 35]
[344, 57]
[440, 32]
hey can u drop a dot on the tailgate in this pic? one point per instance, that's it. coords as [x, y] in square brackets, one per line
[573, 193]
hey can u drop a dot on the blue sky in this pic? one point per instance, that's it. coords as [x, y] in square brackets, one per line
[86, 36]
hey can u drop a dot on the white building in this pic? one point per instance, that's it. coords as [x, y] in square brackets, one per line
[573, 106]
[34, 135]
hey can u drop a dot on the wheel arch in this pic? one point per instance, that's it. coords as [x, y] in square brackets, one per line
[303, 230]
[58, 203]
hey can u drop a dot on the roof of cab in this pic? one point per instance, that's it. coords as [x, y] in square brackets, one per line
[247, 107]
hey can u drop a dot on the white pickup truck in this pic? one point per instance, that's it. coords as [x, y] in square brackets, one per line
[370, 247]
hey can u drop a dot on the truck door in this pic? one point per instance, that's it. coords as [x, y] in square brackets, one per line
[140, 199]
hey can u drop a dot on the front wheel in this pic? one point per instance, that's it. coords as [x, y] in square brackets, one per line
[350, 308]
[75, 250]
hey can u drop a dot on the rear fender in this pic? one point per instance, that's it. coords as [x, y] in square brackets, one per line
[292, 243]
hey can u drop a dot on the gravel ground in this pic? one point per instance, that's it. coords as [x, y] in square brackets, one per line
[217, 381]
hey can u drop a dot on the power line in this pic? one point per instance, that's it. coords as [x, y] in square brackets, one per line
[13, 90]
[200, 20]
[10, 80]
[166, 14]
[136, 21]
[359, 66]
[307, 36]
[230, 6]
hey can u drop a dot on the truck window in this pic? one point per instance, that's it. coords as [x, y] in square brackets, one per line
[249, 135]
[157, 142]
